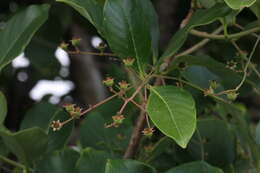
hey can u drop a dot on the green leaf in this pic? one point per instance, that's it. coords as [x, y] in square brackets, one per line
[201, 69]
[130, 28]
[41, 115]
[19, 30]
[200, 17]
[256, 10]
[173, 111]
[127, 166]
[208, 137]
[3, 109]
[195, 167]
[238, 4]
[92, 161]
[90, 9]
[99, 137]
[58, 162]
[28, 145]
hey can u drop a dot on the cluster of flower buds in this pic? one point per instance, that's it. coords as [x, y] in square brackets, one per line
[73, 110]
[56, 125]
[148, 132]
[128, 62]
[212, 86]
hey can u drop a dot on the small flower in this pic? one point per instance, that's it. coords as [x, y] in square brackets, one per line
[232, 95]
[148, 132]
[75, 41]
[56, 125]
[109, 82]
[231, 65]
[128, 62]
[64, 46]
[123, 84]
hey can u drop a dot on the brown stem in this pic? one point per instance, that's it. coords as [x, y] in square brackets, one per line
[135, 137]
[136, 134]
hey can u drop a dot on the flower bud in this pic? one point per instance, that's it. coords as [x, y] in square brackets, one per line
[75, 42]
[232, 95]
[128, 62]
[64, 46]
[148, 132]
[213, 84]
[109, 82]
[123, 85]
[118, 119]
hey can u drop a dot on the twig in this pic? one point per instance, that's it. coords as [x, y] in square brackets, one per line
[135, 137]
[11, 162]
[223, 37]
[199, 44]
[245, 69]
[90, 53]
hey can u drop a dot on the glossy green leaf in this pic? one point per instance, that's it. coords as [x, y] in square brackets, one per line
[208, 137]
[19, 30]
[200, 17]
[92, 161]
[195, 167]
[90, 9]
[28, 145]
[127, 166]
[238, 4]
[41, 115]
[129, 25]
[3, 108]
[173, 111]
[63, 161]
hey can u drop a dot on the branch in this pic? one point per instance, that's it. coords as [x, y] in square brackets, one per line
[223, 37]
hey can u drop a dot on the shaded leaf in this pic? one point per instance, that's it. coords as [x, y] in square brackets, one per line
[19, 30]
[99, 137]
[127, 166]
[257, 132]
[200, 17]
[195, 167]
[3, 108]
[173, 111]
[92, 161]
[208, 137]
[28, 145]
[58, 162]
[41, 115]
